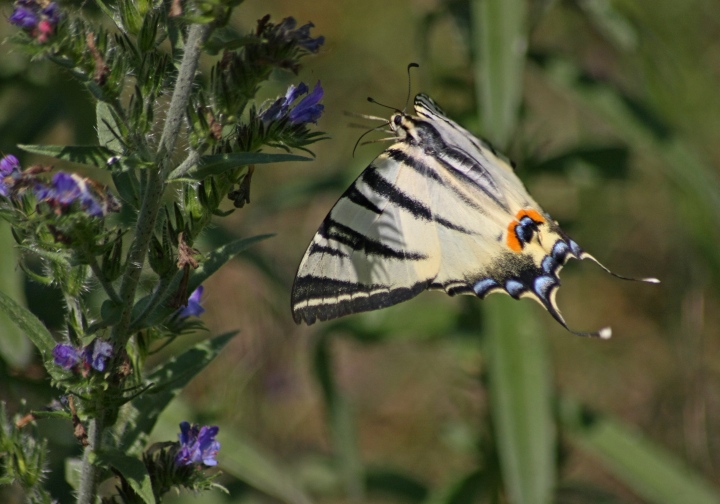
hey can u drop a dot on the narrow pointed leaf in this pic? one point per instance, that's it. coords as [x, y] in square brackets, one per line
[33, 329]
[219, 163]
[93, 155]
[650, 470]
[341, 421]
[15, 348]
[520, 400]
[499, 40]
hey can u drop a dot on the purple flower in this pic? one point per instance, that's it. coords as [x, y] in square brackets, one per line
[304, 40]
[52, 13]
[193, 308]
[67, 188]
[197, 445]
[65, 356]
[308, 109]
[24, 16]
[95, 355]
[9, 166]
[301, 36]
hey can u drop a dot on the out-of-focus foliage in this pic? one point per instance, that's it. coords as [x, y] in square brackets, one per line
[614, 133]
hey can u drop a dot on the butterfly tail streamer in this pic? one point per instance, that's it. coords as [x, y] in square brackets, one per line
[650, 280]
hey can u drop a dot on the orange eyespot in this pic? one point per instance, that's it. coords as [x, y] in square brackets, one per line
[513, 240]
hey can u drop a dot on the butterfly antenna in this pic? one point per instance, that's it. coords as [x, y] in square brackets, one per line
[407, 100]
[373, 100]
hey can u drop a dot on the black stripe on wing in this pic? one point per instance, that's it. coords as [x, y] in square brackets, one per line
[320, 298]
[333, 230]
[357, 197]
[395, 196]
[426, 171]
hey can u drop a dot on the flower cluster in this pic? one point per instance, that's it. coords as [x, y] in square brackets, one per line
[38, 19]
[306, 110]
[93, 356]
[61, 193]
[197, 445]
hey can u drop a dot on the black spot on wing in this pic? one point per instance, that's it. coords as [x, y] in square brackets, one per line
[328, 295]
[333, 230]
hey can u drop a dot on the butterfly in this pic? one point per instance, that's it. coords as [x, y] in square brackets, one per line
[439, 209]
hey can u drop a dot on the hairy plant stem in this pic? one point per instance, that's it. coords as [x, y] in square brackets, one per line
[152, 202]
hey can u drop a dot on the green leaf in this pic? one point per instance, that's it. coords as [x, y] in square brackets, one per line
[219, 163]
[520, 400]
[33, 329]
[139, 416]
[15, 348]
[499, 42]
[107, 128]
[651, 471]
[93, 155]
[132, 469]
[210, 265]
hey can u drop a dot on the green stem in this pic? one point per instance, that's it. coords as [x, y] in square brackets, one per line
[107, 286]
[152, 201]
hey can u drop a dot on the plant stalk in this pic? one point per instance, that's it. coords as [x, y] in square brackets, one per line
[152, 202]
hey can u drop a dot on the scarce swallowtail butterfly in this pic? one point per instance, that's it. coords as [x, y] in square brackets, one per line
[439, 209]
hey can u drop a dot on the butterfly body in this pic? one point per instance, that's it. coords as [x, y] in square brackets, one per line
[439, 209]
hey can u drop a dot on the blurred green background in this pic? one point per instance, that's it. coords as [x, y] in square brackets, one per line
[612, 115]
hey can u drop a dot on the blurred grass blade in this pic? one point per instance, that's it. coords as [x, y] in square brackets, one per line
[647, 468]
[520, 400]
[698, 183]
[341, 420]
[139, 416]
[466, 490]
[15, 348]
[499, 43]
[611, 23]
[395, 484]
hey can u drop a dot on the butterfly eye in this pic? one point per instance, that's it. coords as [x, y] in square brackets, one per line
[397, 120]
